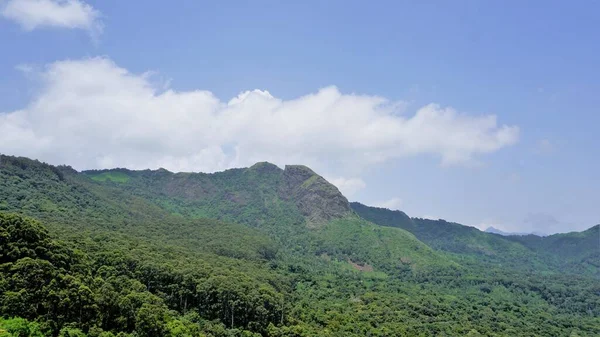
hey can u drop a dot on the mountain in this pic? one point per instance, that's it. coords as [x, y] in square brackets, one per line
[263, 188]
[494, 230]
[266, 251]
[554, 253]
[579, 251]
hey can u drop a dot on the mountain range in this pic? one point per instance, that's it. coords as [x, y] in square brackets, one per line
[266, 251]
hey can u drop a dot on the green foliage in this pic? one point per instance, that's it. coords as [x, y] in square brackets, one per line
[117, 290]
[114, 176]
[19, 327]
[229, 254]
[572, 252]
[384, 217]
[578, 252]
[390, 249]
[70, 332]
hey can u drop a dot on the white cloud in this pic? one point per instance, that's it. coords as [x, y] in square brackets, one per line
[393, 204]
[33, 14]
[25, 68]
[348, 186]
[91, 114]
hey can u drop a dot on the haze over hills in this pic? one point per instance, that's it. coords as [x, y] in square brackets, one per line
[494, 230]
[266, 251]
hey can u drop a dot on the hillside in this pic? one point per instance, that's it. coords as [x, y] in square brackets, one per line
[258, 251]
[579, 251]
[574, 252]
[257, 195]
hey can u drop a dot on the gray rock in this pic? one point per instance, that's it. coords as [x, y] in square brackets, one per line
[317, 199]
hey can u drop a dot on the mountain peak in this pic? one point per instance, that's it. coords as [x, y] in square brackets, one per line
[264, 167]
[317, 199]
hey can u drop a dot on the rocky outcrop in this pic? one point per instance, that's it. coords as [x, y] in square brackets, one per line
[317, 199]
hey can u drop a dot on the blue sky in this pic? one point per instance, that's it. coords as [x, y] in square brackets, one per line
[533, 65]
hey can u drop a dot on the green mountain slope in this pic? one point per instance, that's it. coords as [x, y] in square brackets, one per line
[294, 206]
[573, 245]
[72, 204]
[261, 195]
[260, 251]
[575, 252]
[388, 249]
[123, 286]
[579, 251]
[281, 208]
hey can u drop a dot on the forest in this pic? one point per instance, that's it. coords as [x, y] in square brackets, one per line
[265, 251]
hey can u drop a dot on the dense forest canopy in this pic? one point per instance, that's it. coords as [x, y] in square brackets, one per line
[265, 251]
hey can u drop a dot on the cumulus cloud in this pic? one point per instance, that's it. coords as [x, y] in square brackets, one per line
[393, 204]
[33, 14]
[348, 186]
[92, 113]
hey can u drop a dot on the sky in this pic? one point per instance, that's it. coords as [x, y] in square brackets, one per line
[478, 112]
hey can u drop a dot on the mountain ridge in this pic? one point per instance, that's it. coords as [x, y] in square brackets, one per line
[528, 252]
[291, 206]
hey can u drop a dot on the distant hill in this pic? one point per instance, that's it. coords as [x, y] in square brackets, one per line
[559, 252]
[579, 251]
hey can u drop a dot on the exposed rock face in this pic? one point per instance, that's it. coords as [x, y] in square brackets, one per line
[317, 199]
